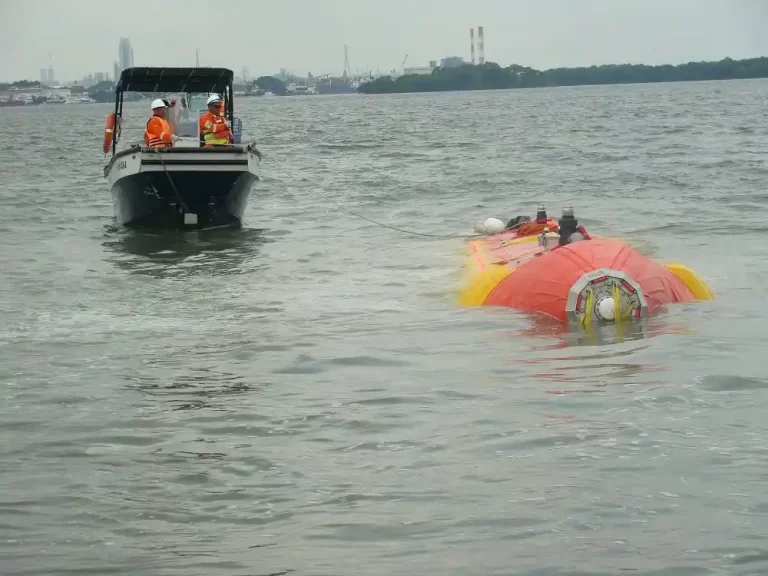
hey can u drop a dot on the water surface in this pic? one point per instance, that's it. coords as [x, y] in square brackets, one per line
[304, 396]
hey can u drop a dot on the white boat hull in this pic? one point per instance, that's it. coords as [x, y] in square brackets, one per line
[182, 187]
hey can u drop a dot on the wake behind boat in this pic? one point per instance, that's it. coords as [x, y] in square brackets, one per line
[192, 183]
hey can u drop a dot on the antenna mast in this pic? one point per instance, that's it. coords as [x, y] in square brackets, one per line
[346, 61]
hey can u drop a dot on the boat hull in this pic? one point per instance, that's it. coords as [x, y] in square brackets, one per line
[190, 188]
[568, 282]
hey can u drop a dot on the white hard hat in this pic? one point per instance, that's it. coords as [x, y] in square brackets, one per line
[213, 98]
[159, 103]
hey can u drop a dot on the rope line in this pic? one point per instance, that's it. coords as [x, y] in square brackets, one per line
[396, 229]
[423, 234]
[175, 191]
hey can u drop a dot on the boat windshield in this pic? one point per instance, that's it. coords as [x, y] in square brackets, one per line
[187, 116]
[197, 102]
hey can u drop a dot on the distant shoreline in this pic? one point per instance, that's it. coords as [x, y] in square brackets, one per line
[490, 76]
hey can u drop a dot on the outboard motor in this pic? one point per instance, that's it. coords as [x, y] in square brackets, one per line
[568, 225]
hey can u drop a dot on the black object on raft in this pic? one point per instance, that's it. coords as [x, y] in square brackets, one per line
[568, 225]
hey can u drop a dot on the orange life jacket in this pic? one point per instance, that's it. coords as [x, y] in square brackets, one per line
[214, 130]
[158, 133]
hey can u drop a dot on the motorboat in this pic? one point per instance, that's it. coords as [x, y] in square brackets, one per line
[557, 269]
[186, 186]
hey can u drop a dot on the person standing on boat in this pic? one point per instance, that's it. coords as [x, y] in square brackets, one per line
[184, 110]
[213, 126]
[158, 132]
[172, 115]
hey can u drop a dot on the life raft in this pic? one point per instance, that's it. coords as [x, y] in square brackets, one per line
[592, 280]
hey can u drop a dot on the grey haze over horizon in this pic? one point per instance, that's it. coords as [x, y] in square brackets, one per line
[309, 35]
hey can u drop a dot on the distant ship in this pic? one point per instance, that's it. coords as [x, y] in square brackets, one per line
[300, 90]
[334, 87]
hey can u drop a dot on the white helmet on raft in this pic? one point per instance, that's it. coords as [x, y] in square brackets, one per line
[158, 103]
[606, 309]
[490, 226]
[212, 99]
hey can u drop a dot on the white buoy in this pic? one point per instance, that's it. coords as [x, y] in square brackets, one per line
[606, 308]
[490, 226]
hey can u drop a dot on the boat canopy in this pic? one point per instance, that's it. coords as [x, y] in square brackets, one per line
[175, 80]
[184, 80]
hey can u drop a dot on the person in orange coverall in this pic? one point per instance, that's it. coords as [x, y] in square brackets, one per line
[158, 132]
[213, 126]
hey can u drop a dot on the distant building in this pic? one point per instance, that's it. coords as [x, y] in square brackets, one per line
[37, 93]
[124, 58]
[452, 62]
[99, 77]
[125, 54]
[424, 70]
[87, 81]
[47, 76]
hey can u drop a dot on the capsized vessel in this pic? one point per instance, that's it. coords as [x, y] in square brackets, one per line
[558, 269]
[187, 185]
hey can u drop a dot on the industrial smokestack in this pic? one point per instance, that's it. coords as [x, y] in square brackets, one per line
[481, 44]
[472, 43]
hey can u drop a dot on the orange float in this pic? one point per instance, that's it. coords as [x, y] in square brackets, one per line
[558, 269]
[110, 128]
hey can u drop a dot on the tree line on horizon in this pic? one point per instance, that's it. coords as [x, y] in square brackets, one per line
[491, 76]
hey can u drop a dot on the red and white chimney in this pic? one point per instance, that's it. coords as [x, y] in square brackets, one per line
[480, 45]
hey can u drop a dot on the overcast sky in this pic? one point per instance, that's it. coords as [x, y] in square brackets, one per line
[309, 35]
